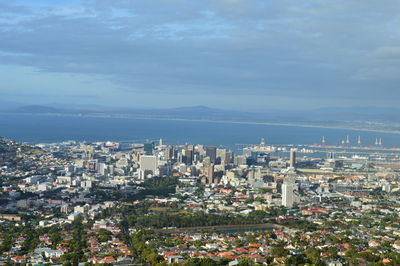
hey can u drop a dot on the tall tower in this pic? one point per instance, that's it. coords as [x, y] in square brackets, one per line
[287, 195]
[169, 153]
[292, 159]
[210, 174]
[287, 191]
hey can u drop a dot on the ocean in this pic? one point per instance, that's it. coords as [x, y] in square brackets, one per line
[52, 128]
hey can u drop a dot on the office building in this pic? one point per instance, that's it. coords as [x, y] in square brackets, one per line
[148, 148]
[240, 160]
[102, 168]
[188, 155]
[210, 174]
[148, 164]
[212, 153]
[287, 191]
[221, 153]
[287, 195]
[169, 153]
[292, 160]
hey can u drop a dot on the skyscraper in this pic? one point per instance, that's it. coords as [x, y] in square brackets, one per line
[292, 160]
[210, 174]
[148, 148]
[169, 153]
[287, 195]
[188, 156]
[212, 153]
[102, 168]
[287, 191]
[148, 164]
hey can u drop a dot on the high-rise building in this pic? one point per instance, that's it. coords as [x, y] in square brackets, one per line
[292, 160]
[148, 148]
[287, 195]
[240, 160]
[221, 153]
[102, 168]
[224, 155]
[200, 150]
[169, 153]
[210, 174]
[287, 191]
[188, 156]
[229, 157]
[148, 164]
[212, 153]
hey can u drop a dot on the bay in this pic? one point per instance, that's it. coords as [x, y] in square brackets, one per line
[57, 128]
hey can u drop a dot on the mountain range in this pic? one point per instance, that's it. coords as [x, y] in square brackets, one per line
[373, 118]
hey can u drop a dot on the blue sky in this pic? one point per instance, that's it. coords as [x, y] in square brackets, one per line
[233, 54]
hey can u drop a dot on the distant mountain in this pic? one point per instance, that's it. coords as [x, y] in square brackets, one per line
[191, 112]
[36, 109]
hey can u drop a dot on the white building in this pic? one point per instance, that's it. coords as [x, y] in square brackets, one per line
[148, 164]
[86, 184]
[287, 195]
[102, 168]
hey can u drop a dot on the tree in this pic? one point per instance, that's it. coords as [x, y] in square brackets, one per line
[313, 255]
[279, 251]
[200, 262]
[245, 262]
[298, 259]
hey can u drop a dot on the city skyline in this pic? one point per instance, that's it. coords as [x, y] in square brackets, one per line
[214, 132]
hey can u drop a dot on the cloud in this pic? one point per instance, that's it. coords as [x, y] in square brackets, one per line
[291, 49]
[382, 64]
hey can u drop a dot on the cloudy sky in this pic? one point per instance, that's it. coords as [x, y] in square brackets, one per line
[244, 54]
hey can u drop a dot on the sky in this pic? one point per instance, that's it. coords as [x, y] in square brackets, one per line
[230, 54]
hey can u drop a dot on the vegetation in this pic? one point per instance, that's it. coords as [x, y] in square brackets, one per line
[77, 245]
[159, 186]
[142, 252]
[156, 186]
[195, 219]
